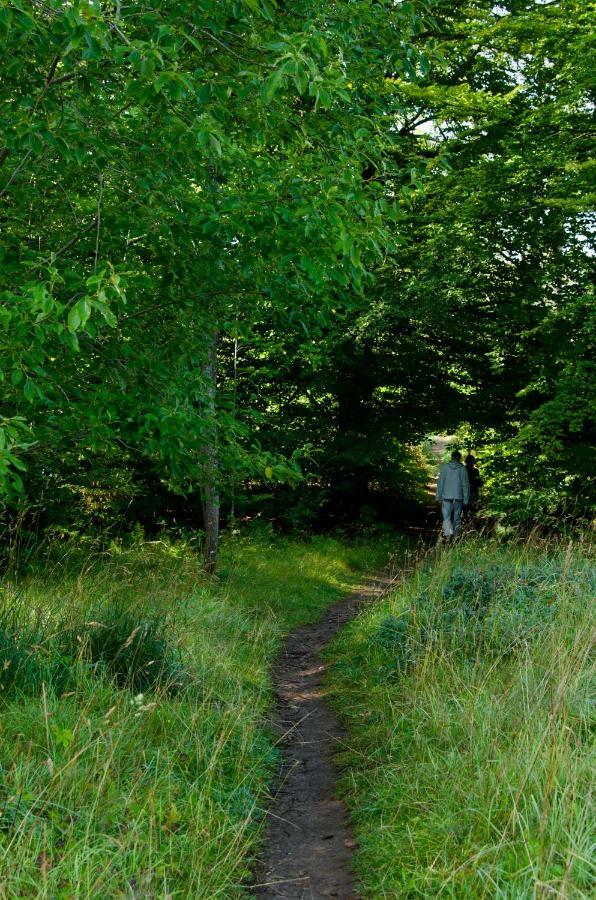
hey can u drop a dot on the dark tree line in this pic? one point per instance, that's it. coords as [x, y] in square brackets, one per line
[252, 243]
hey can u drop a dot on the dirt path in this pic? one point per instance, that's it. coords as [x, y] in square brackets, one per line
[308, 846]
[308, 843]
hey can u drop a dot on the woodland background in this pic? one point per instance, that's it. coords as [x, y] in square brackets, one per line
[252, 252]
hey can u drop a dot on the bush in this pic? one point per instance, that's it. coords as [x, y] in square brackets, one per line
[495, 609]
[114, 643]
[393, 636]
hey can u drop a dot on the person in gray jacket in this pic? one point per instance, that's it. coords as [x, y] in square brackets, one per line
[453, 490]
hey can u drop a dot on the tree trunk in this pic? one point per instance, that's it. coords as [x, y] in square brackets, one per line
[210, 485]
[234, 403]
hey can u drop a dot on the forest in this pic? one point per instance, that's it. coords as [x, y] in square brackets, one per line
[263, 266]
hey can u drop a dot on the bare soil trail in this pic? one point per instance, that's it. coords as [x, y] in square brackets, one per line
[308, 843]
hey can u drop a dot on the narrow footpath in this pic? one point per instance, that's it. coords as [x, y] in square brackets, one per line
[308, 844]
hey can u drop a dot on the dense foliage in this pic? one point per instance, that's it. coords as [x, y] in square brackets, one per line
[507, 239]
[254, 240]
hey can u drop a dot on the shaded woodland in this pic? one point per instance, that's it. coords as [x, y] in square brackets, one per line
[252, 252]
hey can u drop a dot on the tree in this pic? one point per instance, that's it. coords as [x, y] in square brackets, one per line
[501, 246]
[172, 173]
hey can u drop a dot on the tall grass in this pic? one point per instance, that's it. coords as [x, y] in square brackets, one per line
[467, 698]
[133, 757]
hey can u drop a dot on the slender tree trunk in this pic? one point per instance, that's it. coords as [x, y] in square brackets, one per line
[210, 486]
[234, 396]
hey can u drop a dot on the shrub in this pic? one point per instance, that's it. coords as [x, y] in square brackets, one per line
[393, 636]
[495, 609]
[137, 654]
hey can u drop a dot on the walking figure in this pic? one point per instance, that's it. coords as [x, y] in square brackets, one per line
[453, 490]
[475, 480]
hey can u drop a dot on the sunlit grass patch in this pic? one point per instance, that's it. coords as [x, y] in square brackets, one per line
[134, 758]
[467, 693]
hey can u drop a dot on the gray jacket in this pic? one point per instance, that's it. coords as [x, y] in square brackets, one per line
[453, 483]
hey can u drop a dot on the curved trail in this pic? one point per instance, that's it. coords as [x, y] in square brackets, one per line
[308, 844]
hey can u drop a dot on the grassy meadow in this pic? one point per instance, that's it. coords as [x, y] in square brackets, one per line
[468, 697]
[134, 760]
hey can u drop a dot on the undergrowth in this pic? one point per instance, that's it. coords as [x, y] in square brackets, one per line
[133, 757]
[467, 697]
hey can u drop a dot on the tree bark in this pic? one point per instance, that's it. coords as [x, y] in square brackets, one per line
[210, 485]
[234, 403]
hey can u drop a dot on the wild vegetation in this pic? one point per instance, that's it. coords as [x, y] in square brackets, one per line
[135, 759]
[257, 243]
[467, 694]
[252, 253]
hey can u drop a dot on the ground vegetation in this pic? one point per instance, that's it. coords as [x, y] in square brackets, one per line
[467, 698]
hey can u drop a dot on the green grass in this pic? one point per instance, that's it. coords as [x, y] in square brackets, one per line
[467, 696]
[134, 760]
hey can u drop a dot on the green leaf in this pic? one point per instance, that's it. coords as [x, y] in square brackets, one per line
[272, 85]
[29, 391]
[5, 23]
[74, 318]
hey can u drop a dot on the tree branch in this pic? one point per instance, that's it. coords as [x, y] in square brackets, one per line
[68, 77]
[70, 243]
[15, 173]
[225, 46]
[53, 67]
[98, 221]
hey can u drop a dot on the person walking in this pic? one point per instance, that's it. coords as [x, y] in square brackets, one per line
[453, 490]
[475, 480]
